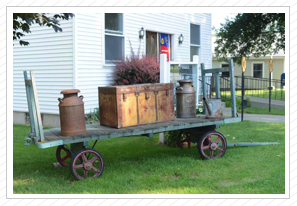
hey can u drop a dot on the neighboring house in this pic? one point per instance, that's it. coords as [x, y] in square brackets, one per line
[79, 57]
[255, 67]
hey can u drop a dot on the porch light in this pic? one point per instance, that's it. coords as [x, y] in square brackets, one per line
[180, 39]
[141, 33]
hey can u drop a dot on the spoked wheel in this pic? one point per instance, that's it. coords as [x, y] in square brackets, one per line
[183, 140]
[63, 155]
[212, 145]
[86, 163]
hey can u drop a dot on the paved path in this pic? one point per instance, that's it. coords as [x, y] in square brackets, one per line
[263, 118]
[264, 102]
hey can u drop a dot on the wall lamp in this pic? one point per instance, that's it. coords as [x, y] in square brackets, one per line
[180, 39]
[141, 33]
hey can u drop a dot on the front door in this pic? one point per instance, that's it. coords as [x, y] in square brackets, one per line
[151, 43]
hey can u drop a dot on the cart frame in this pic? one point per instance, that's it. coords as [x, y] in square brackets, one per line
[195, 126]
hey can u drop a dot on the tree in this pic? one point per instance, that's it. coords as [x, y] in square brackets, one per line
[250, 34]
[23, 21]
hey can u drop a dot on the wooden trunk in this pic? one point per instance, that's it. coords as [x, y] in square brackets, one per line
[129, 105]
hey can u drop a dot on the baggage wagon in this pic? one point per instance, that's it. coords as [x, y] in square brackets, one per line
[88, 163]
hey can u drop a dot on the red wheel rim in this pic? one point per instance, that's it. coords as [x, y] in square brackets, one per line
[184, 138]
[87, 164]
[213, 145]
[63, 157]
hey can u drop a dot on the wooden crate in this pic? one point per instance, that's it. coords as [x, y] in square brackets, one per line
[128, 105]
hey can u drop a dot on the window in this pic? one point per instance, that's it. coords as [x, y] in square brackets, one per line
[257, 70]
[114, 38]
[194, 40]
[225, 74]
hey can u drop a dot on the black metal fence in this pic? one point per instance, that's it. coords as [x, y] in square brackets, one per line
[257, 87]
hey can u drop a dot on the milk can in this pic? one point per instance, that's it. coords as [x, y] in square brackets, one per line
[185, 99]
[72, 113]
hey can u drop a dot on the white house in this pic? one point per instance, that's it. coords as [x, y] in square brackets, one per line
[79, 57]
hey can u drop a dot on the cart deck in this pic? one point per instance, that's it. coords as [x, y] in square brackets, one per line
[52, 137]
[87, 162]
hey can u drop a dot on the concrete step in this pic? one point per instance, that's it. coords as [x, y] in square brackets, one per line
[223, 105]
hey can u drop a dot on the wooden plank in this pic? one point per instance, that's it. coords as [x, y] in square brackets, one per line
[37, 106]
[95, 131]
[49, 136]
[32, 126]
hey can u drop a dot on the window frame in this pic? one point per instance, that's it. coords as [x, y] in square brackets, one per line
[198, 46]
[107, 62]
[252, 68]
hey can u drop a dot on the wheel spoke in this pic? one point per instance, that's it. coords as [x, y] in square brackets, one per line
[84, 157]
[209, 139]
[220, 149]
[93, 159]
[78, 166]
[217, 140]
[66, 157]
[205, 147]
[95, 169]
[189, 144]
[211, 153]
[85, 174]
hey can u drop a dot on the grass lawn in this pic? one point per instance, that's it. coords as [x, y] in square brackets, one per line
[139, 165]
[277, 94]
[259, 110]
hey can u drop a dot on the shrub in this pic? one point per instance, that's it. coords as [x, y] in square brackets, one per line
[136, 69]
[170, 138]
[92, 117]
[227, 99]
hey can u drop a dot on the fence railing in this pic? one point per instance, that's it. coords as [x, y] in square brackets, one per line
[257, 87]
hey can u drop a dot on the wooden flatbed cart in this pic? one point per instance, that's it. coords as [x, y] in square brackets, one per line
[88, 163]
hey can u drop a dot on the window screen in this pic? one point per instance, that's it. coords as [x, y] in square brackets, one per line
[258, 68]
[114, 47]
[195, 34]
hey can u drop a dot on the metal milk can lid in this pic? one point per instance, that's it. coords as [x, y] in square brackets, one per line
[70, 91]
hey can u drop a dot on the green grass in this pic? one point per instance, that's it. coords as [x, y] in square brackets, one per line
[139, 165]
[252, 110]
[259, 110]
[277, 94]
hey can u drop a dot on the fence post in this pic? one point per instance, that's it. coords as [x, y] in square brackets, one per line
[232, 88]
[203, 85]
[196, 60]
[164, 69]
[163, 79]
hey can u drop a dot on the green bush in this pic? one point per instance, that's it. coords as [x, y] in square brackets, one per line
[170, 138]
[93, 116]
[227, 99]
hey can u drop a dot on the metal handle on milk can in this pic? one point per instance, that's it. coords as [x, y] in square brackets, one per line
[81, 97]
[179, 88]
[60, 100]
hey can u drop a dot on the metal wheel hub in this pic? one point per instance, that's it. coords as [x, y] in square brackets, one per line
[87, 166]
[213, 146]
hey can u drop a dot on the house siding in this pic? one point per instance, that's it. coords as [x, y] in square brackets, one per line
[50, 55]
[89, 58]
[75, 58]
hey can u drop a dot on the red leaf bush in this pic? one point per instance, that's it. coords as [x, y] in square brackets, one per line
[136, 69]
